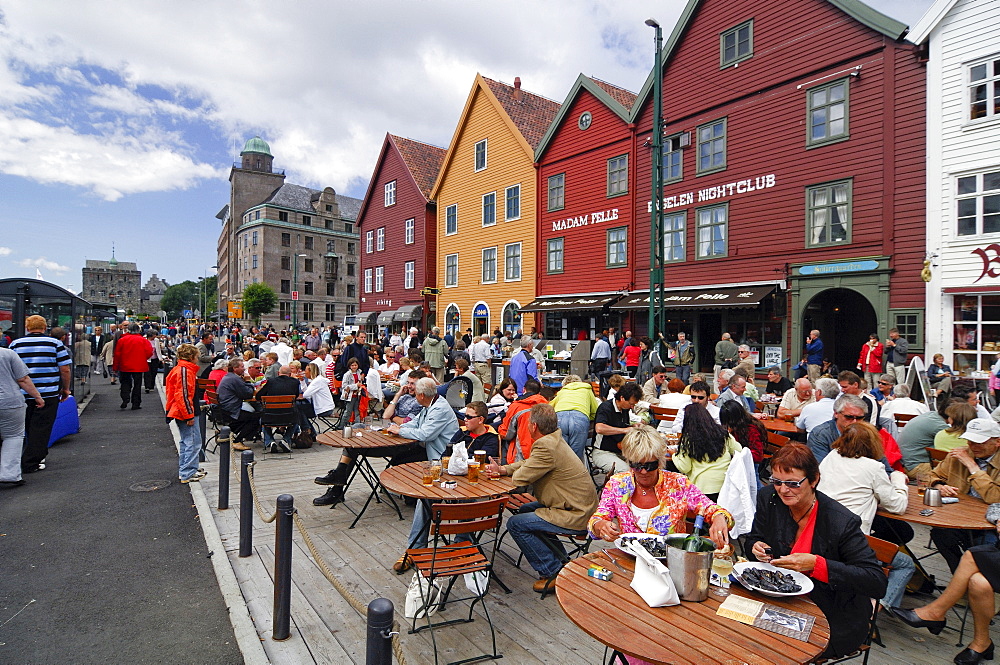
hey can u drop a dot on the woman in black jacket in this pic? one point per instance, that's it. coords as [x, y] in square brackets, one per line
[800, 529]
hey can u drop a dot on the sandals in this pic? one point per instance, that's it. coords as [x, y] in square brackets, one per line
[403, 564]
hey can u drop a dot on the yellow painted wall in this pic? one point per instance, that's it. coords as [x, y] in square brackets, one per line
[507, 164]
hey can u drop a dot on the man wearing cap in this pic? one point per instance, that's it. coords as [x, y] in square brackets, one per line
[975, 471]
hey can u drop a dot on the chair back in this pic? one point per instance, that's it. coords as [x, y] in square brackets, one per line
[205, 385]
[211, 397]
[459, 392]
[903, 418]
[885, 551]
[278, 409]
[663, 413]
[937, 456]
[475, 517]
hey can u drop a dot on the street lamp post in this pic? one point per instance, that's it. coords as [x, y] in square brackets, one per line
[295, 287]
[656, 294]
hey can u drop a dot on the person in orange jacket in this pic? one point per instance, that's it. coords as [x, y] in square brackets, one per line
[513, 431]
[182, 409]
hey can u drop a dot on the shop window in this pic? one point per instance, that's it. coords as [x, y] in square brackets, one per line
[673, 159]
[408, 231]
[512, 262]
[380, 239]
[736, 44]
[286, 263]
[673, 236]
[307, 311]
[331, 312]
[511, 316]
[481, 155]
[379, 279]
[512, 207]
[286, 286]
[451, 270]
[408, 274]
[489, 265]
[557, 192]
[369, 242]
[617, 247]
[368, 280]
[828, 214]
[984, 89]
[452, 319]
[490, 209]
[286, 239]
[451, 220]
[976, 332]
[618, 175]
[712, 147]
[827, 113]
[555, 255]
[390, 193]
[978, 199]
[282, 216]
[712, 231]
[308, 288]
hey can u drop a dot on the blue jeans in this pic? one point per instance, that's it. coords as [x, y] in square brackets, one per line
[683, 373]
[187, 461]
[421, 527]
[575, 427]
[900, 571]
[528, 531]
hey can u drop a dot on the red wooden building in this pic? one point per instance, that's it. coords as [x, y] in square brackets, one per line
[397, 228]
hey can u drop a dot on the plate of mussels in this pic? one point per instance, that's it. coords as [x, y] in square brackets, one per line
[771, 580]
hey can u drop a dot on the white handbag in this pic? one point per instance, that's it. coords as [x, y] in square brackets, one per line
[652, 579]
[422, 597]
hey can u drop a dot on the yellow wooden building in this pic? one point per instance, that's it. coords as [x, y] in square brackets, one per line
[485, 194]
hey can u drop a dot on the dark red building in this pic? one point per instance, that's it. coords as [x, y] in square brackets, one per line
[397, 227]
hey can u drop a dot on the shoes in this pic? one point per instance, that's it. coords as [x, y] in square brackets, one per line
[403, 564]
[278, 447]
[910, 617]
[334, 477]
[970, 657]
[112, 381]
[147, 391]
[239, 446]
[11, 483]
[544, 585]
[136, 407]
[331, 497]
[198, 475]
[124, 405]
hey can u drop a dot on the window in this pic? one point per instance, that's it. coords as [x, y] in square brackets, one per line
[673, 159]
[307, 311]
[380, 239]
[390, 193]
[368, 280]
[308, 267]
[828, 214]
[977, 324]
[511, 316]
[557, 191]
[307, 288]
[673, 236]
[827, 119]
[555, 255]
[307, 220]
[331, 289]
[452, 319]
[512, 262]
[512, 209]
[736, 44]
[286, 263]
[254, 238]
[978, 203]
[308, 240]
[284, 310]
[282, 216]
[328, 224]
[713, 231]
[984, 89]
[408, 231]
[286, 286]
[451, 220]
[352, 269]
[489, 265]
[408, 272]
[379, 278]
[256, 214]
[617, 247]
[490, 209]
[255, 266]
[369, 242]
[712, 146]
[352, 248]
[451, 270]
[286, 239]
[329, 207]
[331, 312]
[352, 291]
[910, 324]
[481, 155]
[618, 175]
[348, 227]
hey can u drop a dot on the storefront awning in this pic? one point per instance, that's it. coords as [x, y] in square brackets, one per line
[735, 296]
[365, 319]
[385, 318]
[556, 304]
[408, 313]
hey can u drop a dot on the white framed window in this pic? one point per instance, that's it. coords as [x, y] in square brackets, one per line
[673, 159]
[512, 262]
[827, 112]
[451, 270]
[451, 219]
[618, 175]
[489, 265]
[390, 193]
[408, 272]
[368, 280]
[489, 209]
[713, 231]
[511, 316]
[617, 247]
[828, 214]
[555, 255]
[409, 231]
[512, 201]
[557, 192]
[984, 88]
[369, 242]
[712, 146]
[380, 239]
[673, 236]
[379, 278]
[736, 44]
[481, 155]
[978, 203]
[452, 319]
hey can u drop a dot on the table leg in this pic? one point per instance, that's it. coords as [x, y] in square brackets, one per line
[364, 467]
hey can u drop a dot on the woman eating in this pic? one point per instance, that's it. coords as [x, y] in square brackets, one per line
[798, 528]
[705, 451]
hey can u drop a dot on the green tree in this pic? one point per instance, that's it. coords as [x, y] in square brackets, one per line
[179, 297]
[258, 299]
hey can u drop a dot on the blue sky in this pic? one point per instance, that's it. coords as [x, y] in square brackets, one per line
[118, 120]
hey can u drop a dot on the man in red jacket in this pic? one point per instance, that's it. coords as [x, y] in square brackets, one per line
[131, 361]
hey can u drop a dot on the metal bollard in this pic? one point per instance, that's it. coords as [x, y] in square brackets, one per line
[283, 568]
[380, 619]
[224, 451]
[202, 426]
[246, 504]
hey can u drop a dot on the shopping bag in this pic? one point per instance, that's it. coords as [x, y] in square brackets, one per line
[459, 463]
[651, 579]
[423, 597]
[476, 582]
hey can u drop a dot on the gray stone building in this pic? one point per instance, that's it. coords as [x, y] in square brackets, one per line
[152, 294]
[113, 281]
[293, 238]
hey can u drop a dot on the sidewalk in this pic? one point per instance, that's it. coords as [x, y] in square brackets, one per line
[95, 571]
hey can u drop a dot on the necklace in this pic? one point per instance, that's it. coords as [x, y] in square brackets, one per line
[798, 520]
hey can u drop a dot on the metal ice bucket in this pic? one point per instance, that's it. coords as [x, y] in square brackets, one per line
[690, 573]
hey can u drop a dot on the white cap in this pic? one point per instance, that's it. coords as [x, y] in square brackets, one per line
[981, 429]
[413, 330]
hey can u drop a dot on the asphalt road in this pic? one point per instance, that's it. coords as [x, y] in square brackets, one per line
[92, 571]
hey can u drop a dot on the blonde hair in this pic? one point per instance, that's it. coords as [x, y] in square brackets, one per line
[642, 443]
[616, 381]
[294, 365]
[312, 370]
[187, 352]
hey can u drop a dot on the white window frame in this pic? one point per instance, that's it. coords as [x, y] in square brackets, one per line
[409, 231]
[451, 266]
[476, 153]
[390, 193]
[409, 271]
[506, 202]
[380, 239]
[369, 242]
[507, 266]
[699, 254]
[979, 197]
[452, 326]
[451, 216]
[992, 89]
[552, 250]
[489, 278]
[379, 279]
[368, 280]
[492, 196]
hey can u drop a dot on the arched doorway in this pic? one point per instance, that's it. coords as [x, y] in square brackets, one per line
[844, 318]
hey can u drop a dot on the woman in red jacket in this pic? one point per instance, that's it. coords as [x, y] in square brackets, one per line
[182, 409]
[631, 354]
[870, 360]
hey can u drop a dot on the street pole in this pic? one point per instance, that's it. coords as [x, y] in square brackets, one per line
[295, 287]
[656, 221]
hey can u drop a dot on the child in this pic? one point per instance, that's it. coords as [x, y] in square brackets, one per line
[351, 389]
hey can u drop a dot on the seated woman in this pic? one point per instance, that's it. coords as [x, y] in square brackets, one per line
[675, 398]
[615, 383]
[219, 370]
[800, 529]
[503, 394]
[318, 391]
[854, 475]
[747, 430]
[957, 416]
[648, 499]
[705, 451]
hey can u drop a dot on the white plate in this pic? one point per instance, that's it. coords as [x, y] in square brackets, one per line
[637, 536]
[800, 579]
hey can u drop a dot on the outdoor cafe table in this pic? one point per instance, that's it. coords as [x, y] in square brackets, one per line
[368, 443]
[778, 425]
[613, 614]
[408, 480]
[968, 513]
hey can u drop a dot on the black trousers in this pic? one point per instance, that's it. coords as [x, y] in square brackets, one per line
[952, 543]
[37, 431]
[131, 387]
[150, 377]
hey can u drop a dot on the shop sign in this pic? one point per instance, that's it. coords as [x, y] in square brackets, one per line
[772, 356]
[384, 302]
[717, 192]
[838, 268]
[988, 261]
[584, 220]
[481, 312]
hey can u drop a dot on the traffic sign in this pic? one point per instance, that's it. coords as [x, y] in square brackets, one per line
[295, 295]
[187, 314]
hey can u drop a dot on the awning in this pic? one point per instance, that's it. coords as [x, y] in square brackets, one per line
[555, 304]
[365, 319]
[749, 296]
[385, 318]
[408, 313]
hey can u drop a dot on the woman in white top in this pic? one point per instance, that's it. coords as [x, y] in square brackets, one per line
[318, 391]
[503, 395]
[854, 475]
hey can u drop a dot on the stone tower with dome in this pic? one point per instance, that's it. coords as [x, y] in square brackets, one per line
[113, 281]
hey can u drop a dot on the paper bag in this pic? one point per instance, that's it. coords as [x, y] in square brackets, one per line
[652, 579]
[458, 465]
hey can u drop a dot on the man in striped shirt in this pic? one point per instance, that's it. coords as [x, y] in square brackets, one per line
[49, 365]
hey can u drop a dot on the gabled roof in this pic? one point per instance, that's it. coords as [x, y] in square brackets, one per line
[297, 197]
[923, 28]
[527, 118]
[422, 160]
[619, 100]
[856, 9]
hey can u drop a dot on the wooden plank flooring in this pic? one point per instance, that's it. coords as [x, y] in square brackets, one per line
[325, 629]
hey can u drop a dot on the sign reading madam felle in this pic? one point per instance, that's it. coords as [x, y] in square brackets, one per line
[583, 220]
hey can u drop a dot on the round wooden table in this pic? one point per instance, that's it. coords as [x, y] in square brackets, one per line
[968, 513]
[613, 614]
[780, 426]
[408, 480]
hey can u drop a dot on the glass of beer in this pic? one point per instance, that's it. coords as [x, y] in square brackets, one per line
[435, 470]
[473, 472]
[428, 475]
[444, 464]
[481, 458]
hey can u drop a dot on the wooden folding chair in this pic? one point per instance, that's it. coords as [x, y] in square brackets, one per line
[903, 418]
[663, 413]
[280, 418]
[937, 456]
[213, 415]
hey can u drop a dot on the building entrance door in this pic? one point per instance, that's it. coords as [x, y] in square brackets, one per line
[844, 318]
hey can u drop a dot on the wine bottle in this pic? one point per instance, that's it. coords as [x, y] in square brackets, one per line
[693, 542]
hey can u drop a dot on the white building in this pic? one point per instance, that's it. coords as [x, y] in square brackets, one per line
[961, 39]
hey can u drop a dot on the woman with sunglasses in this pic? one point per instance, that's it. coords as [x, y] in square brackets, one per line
[648, 499]
[798, 528]
[705, 450]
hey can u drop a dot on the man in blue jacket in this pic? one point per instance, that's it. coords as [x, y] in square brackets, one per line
[814, 355]
[523, 365]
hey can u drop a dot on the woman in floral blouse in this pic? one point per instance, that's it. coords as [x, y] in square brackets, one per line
[647, 499]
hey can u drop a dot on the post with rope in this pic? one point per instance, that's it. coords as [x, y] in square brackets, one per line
[283, 568]
[246, 504]
[224, 452]
[380, 632]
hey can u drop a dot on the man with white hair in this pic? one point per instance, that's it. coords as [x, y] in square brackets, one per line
[745, 360]
[725, 353]
[523, 365]
[821, 410]
[794, 401]
[480, 354]
[283, 350]
[903, 404]
[737, 386]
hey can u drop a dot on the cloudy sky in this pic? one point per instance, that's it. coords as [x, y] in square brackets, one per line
[119, 120]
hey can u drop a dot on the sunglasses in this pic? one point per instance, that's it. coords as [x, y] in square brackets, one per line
[794, 484]
[699, 397]
[884, 383]
[847, 417]
[470, 417]
[645, 466]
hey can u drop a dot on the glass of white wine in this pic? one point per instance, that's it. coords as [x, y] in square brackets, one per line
[722, 565]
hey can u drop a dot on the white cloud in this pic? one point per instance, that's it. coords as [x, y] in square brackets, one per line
[42, 262]
[5, 251]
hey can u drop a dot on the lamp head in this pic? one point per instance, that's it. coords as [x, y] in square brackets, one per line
[651, 22]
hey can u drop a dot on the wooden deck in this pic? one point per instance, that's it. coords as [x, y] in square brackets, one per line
[325, 629]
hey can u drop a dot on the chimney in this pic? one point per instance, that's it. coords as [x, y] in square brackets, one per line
[517, 88]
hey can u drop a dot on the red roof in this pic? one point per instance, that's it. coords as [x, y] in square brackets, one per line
[422, 159]
[532, 114]
[624, 97]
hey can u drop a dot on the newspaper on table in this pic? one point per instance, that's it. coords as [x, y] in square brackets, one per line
[768, 617]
